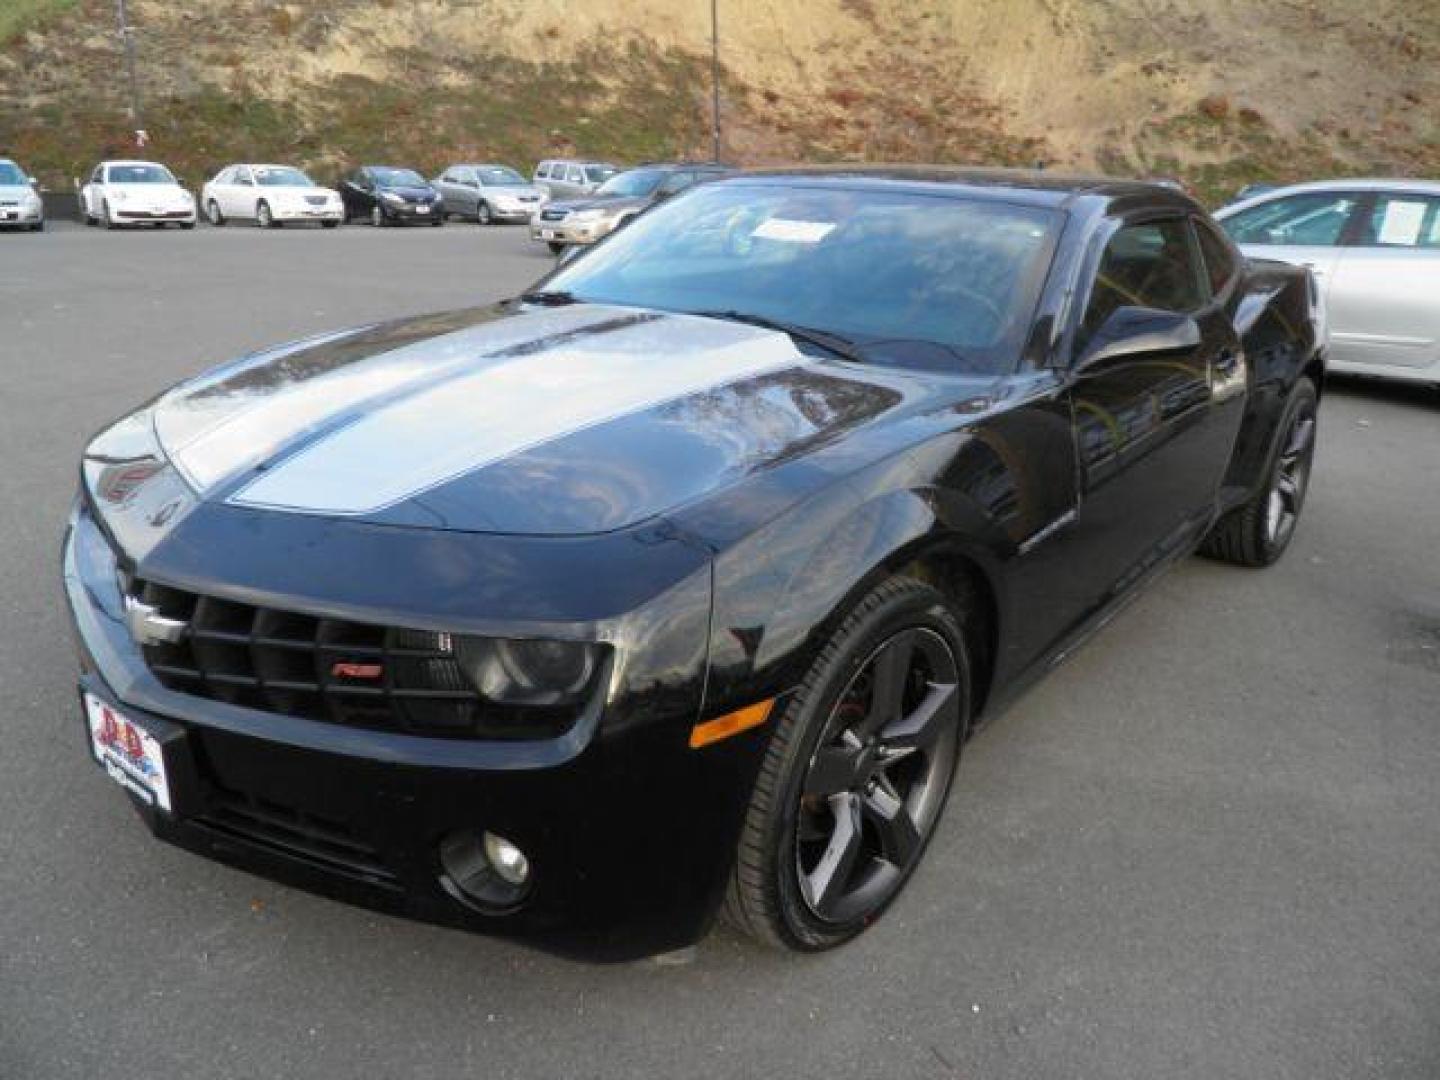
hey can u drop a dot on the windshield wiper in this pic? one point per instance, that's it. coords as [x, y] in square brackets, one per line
[833, 343]
[549, 297]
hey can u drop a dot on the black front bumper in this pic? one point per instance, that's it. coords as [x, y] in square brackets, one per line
[629, 833]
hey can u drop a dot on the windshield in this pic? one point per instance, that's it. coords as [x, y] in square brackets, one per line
[632, 183]
[139, 174]
[281, 176]
[11, 174]
[931, 281]
[595, 174]
[499, 176]
[388, 177]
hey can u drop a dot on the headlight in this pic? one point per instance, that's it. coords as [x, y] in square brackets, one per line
[526, 671]
[391, 197]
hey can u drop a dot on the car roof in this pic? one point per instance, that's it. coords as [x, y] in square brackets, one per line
[1320, 187]
[132, 161]
[1036, 187]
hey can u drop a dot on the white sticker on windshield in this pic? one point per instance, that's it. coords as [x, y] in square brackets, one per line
[1402, 223]
[794, 232]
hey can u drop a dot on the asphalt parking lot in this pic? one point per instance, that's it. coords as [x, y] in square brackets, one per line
[1205, 847]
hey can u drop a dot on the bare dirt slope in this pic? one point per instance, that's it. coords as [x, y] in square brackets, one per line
[1218, 90]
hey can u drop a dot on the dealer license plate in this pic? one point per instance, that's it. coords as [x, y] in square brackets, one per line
[129, 753]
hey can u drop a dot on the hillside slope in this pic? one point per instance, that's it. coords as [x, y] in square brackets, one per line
[1221, 91]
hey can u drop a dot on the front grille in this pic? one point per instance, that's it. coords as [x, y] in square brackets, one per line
[316, 200]
[329, 670]
[528, 198]
[328, 844]
[552, 215]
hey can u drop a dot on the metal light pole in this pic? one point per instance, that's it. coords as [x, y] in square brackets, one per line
[127, 36]
[714, 79]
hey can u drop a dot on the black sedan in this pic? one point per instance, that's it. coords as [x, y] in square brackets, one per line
[678, 583]
[385, 195]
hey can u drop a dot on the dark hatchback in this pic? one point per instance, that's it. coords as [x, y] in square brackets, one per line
[386, 195]
[679, 582]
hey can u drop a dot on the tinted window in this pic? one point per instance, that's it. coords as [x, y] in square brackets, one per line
[1219, 259]
[636, 182]
[1403, 221]
[1149, 265]
[1303, 220]
[938, 282]
[676, 182]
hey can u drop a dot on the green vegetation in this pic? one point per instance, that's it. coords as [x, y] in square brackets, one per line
[17, 16]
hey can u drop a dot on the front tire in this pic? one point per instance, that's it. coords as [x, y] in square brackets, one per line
[482, 214]
[377, 217]
[1257, 532]
[213, 214]
[110, 222]
[264, 216]
[856, 774]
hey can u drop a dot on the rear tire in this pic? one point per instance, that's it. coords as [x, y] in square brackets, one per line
[1257, 532]
[857, 772]
[330, 224]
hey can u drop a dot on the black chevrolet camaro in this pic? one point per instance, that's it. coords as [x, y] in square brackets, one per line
[676, 584]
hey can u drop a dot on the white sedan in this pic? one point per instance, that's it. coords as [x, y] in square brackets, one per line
[136, 193]
[1374, 248]
[270, 196]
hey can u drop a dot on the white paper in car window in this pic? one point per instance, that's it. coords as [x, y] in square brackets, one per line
[794, 232]
[1401, 224]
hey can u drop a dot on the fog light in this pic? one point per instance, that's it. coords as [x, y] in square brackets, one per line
[507, 859]
[484, 871]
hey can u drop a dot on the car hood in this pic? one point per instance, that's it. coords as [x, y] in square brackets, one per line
[540, 421]
[148, 192]
[15, 191]
[515, 191]
[409, 191]
[602, 202]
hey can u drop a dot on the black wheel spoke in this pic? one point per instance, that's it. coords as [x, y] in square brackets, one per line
[835, 769]
[899, 838]
[827, 884]
[891, 668]
[920, 727]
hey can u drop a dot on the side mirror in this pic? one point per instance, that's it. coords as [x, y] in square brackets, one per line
[1136, 331]
[35, 182]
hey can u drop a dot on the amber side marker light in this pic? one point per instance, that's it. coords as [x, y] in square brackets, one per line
[722, 727]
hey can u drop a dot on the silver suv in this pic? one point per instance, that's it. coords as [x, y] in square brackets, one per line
[565, 178]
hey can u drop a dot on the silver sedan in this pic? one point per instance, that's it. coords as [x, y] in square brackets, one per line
[1374, 247]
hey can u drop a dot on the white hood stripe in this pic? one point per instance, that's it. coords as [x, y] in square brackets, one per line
[424, 439]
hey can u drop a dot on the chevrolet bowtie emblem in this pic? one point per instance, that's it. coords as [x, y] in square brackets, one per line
[149, 627]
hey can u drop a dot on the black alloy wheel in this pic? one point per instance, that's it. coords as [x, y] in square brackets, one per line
[857, 772]
[1257, 532]
[875, 784]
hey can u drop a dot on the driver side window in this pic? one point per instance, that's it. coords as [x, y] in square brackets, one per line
[1151, 264]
